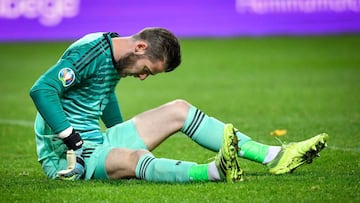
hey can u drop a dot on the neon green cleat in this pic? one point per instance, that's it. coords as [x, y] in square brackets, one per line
[295, 154]
[227, 159]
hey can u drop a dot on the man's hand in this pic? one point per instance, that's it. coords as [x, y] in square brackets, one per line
[75, 169]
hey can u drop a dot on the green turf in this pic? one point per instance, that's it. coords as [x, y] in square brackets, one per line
[306, 85]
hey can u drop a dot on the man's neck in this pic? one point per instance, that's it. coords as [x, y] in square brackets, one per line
[122, 46]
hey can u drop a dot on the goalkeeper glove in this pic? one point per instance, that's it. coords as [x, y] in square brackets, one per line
[75, 162]
[75, 167]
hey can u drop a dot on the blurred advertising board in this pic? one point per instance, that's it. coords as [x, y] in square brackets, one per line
[22, 20]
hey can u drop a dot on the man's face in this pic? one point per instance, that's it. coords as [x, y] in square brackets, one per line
[139, 66]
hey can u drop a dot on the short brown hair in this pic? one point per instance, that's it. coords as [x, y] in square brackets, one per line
[162, 45]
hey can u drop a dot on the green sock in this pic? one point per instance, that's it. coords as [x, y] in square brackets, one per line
[254, 151]
[163, 170]
[207, 131]
[199, 172]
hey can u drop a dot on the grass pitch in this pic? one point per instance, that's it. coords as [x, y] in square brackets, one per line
[306, 85]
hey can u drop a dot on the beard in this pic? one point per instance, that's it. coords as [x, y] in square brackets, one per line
[126, 62]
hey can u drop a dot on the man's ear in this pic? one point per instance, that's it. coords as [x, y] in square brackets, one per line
[140, 47]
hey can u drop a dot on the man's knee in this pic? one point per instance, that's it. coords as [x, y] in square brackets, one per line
[121, 163]
[179, 108]
[180, 104]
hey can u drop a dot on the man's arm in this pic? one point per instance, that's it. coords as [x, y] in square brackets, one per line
[46, 96]
[112, 114]
[48, 104]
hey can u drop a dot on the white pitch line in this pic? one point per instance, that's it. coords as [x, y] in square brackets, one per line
[17, 122]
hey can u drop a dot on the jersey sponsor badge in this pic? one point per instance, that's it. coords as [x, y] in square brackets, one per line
[66, 76]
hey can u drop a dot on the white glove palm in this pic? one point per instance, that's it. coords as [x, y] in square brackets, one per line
[74, 170]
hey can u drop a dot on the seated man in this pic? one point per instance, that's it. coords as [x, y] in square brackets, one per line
[79, 90]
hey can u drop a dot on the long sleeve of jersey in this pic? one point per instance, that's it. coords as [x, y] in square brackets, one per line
[45, 94]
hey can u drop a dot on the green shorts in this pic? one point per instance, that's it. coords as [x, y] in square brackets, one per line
[123, 135]
[52, 151]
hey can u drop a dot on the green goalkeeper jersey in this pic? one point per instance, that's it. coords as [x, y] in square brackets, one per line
[79, 89]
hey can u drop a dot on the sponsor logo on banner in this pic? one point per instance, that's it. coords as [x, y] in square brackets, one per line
[48, 12]
[293, 6]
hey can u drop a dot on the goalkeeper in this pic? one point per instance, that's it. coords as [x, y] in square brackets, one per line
[79, 91]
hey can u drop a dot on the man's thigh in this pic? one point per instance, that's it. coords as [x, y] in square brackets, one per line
[123, 135]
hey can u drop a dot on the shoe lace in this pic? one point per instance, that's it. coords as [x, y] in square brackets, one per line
[212, 158]
[283, 143]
